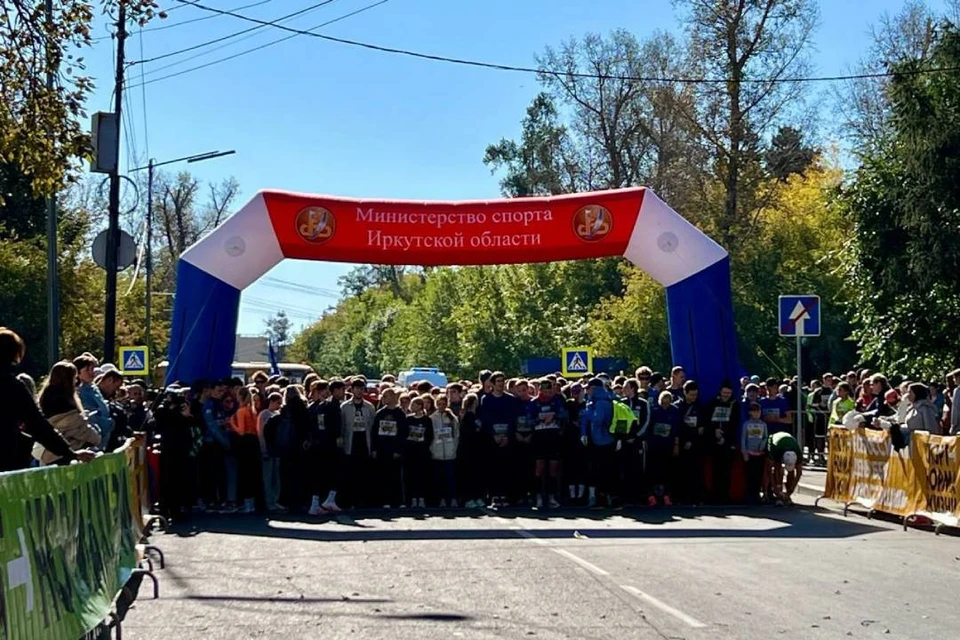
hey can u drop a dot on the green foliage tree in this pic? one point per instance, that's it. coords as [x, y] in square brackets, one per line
[41, 127]
[905, 203]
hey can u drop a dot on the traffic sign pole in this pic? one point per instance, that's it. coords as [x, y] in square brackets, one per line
[800, 425]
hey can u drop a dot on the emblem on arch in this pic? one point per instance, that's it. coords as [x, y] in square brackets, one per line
[316, 225]
[592, 223]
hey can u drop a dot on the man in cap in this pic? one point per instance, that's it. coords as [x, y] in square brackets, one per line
[595, 420]
[786, 463]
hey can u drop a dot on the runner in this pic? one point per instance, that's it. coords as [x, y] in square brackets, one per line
[547, 414]
[786, 458]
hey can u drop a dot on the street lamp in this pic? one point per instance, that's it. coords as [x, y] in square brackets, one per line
[200, 157]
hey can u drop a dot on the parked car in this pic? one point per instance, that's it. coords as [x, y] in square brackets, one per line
[433, 375]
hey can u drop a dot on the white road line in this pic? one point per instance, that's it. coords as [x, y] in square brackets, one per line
[529, 535]
[663, 606]
[589, 566]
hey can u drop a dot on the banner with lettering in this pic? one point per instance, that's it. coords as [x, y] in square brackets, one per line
[67, 546]
[568, 227]
[936, 462]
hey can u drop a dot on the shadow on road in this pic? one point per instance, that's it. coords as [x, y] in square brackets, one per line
[679, 522]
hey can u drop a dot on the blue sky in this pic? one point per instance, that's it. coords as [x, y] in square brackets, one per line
[314, 116]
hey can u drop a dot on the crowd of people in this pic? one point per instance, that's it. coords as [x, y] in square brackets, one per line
[269, 444]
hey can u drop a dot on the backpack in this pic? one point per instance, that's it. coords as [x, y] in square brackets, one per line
[279, 435]
[623, 418]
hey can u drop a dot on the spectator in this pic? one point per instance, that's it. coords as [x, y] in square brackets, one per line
[922, 414]
[92, 398]
[22, 413]
[61, 406]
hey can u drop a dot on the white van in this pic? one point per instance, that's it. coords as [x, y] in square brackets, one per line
[417, 374]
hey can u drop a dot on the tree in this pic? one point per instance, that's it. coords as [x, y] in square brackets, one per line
[180, 219]
[278, 331]
[543, 162]
[788, 155]
[40, 127]
[904, 258]
[748, 50]
[864, 101]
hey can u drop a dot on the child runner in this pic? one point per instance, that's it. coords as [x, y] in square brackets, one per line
[753, 447]
[472, 453]
[443, 450]
[389, 433]
[663, 447]
[416, 454]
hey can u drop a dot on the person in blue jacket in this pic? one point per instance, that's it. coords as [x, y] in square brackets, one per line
[595, 420]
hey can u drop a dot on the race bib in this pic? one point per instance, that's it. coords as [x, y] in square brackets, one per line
[772, 413]
[417, 433]
[388, 428]
[501, 429]
[721, 414]
[445, 432]
[522, 425]
[321, 423]
[690, 421]
[755, 431]
[547, 426]
[662, 430]
[358, 423]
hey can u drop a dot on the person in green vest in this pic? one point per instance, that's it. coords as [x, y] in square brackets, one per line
[786, 463]
[842, 404]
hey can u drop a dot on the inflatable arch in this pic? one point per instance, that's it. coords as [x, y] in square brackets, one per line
[633, 223]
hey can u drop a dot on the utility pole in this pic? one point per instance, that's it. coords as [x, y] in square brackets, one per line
[151, 165]
[53, 284]
[113, 228]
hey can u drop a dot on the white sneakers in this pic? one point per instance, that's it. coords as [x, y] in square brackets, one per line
[315, 510]
[539, 501]
[553, 503]
[248, 506]
[331, 506]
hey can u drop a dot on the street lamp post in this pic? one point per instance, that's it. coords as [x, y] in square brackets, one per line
[151, 165]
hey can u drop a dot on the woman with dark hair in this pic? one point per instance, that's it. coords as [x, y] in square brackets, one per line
[60, 403]
[21, 411]
[922, 414]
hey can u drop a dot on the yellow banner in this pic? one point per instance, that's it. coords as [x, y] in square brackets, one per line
[924, 479]
[935, 460]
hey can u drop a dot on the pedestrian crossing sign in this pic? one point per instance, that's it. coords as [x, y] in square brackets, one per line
[577, 361]
[134, 361]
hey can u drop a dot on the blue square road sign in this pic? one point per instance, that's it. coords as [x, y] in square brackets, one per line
[799, 316]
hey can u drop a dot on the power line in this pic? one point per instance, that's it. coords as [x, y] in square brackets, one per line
[183, 22]
[251, 50]
[296, 286]
[210, 50]
[565, 74]
[261, 24]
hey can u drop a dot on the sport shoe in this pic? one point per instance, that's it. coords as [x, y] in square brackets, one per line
[315, 510]
[248, 509]
[667, 502]
[454, 504]
[652, 501]
[592, 501]
[539, 501]
[330, 506]
[443, 504]
[230, 508]
[553, 503]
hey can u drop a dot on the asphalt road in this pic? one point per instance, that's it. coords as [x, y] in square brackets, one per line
[654, 573]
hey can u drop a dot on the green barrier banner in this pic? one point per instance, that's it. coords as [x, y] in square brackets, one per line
[67, 546]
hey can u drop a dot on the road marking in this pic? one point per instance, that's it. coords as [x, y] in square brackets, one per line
[663, 606]
[523, 533]
[589, 566]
